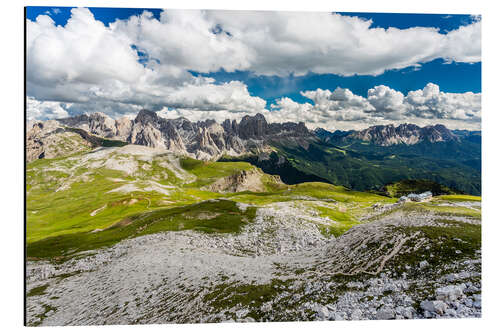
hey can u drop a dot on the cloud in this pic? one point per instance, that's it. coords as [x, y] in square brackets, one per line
[341, 109]
[232, 96]
[338, 109]
[185, 39]
[463, 44]
[93, 67]
[431, 103]
[280, 43]
[329, 107]
[387, 103]
[340, 104]
[286, 109]
[144, 62]
[84, 51]
[37, 110]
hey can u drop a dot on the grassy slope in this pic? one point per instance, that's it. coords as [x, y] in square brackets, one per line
[61, 222]
[218, 216]
[72, 208]
[67, 143]
[207, 172]
[460, 197]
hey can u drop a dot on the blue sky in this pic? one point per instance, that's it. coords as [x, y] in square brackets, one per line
[449, 77]
[451, 74]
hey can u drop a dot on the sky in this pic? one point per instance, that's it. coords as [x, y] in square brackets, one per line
[327, 69]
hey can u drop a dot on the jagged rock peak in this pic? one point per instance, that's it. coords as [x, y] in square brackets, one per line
[205, 139]
[253, 127]
[145, 116]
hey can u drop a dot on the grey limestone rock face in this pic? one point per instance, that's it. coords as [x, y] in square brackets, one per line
[102, 125]
[123, 128]
[209, 140]
[204, 140]
[244, 180]
[386, 314]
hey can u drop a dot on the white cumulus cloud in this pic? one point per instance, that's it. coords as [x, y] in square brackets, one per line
[341, 109]
[280, 43]
[37, 110]
[145, 62]
[386, 102]
[94, 66]
[432, 103]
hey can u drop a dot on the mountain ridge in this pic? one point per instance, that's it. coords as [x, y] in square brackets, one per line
[388, 135]
[205, 140]
[209, 139]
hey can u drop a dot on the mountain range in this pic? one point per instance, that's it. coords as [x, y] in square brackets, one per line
[362, 160]
[209, 139]
[408, 134]
[388, 135]
[204, 140]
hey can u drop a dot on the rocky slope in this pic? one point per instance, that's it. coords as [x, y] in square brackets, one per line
[50, 140]
[244, 180]
[279, 268]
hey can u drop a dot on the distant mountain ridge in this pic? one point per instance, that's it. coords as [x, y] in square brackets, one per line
[388, 135]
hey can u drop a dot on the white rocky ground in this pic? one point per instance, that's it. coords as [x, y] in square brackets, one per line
[281, 267]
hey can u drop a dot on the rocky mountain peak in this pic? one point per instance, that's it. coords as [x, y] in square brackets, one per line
[253, 127]
[145, 116]
[76, 121]
[102, 124]
[439, 132]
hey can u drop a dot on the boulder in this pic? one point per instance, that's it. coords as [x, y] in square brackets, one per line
[357, 314]
[450, 293]
[438, 307]
[407, 313]
[423, 264]
[322, 312]
[386, 313]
